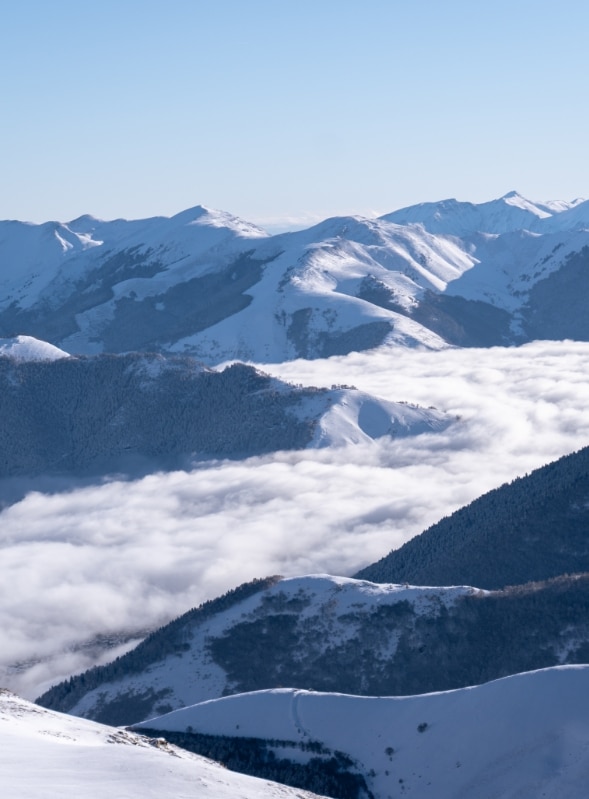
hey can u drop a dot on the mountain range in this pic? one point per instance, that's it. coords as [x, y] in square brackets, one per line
[207, 284]
[122, 352]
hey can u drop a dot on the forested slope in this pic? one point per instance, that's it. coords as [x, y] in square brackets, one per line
[75, 415]
[344, 636]
[534, 528]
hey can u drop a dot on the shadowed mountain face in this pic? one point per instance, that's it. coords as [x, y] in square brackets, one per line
[91, 415]
[332, 634]
[557, 305]
[146, 323]
[535, 528]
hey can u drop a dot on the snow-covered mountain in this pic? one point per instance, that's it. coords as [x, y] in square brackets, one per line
[47, 755]
[97, 413]
[336, 634]
[525, 735]
[207, 284]
[508, 213]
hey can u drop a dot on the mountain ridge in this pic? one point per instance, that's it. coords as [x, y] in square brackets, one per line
[320, 632]
[93, 414]
[521, 735]
[206, 283]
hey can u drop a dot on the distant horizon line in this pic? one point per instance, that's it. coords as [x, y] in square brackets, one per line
[292, 222]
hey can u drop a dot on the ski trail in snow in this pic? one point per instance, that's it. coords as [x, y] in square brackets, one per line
[296, 714]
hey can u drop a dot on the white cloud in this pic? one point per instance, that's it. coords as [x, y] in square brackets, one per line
[124, 556]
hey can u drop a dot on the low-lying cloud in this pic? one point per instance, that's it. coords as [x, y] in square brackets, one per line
[98, 564]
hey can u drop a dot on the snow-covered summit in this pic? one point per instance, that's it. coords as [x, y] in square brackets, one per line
[353, 417]
[510, 212]
[202, 215]
[27, 348]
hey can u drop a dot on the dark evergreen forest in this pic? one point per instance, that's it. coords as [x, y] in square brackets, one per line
[534, 528]
[324, 771]
[91, 415]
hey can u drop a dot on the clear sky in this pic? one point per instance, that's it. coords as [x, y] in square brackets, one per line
[286, 111]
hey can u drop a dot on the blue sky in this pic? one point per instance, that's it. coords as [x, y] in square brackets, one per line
[284, 112]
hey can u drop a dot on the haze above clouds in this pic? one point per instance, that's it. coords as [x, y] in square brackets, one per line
[123, 556]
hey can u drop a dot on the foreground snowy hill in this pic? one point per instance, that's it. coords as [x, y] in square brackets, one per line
[47, 755]
[526, 735]
[336, 634]
[208, 284]
[94, 414]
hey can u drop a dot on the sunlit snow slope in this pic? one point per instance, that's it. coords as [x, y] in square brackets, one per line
[47, 755]
[526, 735]
[27, 348]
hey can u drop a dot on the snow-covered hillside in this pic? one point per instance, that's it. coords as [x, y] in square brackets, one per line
[47, 755]
[335, 634]
[347, 416]
[183, 665]
[207, 284]
[27, 348]
[526, 735]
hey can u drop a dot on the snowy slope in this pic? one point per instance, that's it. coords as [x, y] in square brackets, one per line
[510, 264]
[330, 633]
[208, 284]
[311, 299]
[27, 348]
[526, 735]
[347, 416]
[47, 755]
[38, 258]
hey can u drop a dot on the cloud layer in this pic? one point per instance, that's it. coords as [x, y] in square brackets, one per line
[97, 564]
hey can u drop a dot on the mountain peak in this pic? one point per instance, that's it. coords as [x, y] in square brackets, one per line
[193, 213]
[211, 217]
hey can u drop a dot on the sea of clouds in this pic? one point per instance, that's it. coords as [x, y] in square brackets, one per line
[88, 568]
